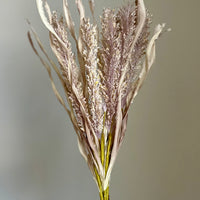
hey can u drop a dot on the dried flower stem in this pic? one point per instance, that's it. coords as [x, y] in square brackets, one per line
[112, 65]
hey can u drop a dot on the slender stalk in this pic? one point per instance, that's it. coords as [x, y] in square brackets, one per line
[101, 192]
[104, 194]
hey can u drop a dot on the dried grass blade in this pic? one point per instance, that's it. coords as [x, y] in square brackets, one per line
[93, 143]
[70, 112]
[149, 59]
[60, 99]
[70, 23]
[82, 149]
[115, 142]
[102, 149]
[45, 21]
[81, 10]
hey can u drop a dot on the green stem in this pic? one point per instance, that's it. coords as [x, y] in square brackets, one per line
[104, 195]
[105, 159]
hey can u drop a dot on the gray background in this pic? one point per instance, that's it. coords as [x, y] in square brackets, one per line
[160, 156]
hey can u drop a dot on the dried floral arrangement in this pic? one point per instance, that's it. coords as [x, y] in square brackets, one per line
[112, 65]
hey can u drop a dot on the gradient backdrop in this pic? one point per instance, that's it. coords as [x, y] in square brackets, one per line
[160, 156]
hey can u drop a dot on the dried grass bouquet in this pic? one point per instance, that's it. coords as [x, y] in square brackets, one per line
[113, 61]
